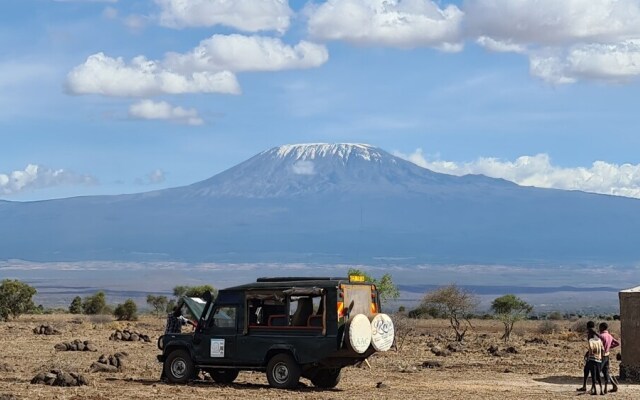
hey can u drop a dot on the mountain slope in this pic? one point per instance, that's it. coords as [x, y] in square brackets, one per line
[329, 203]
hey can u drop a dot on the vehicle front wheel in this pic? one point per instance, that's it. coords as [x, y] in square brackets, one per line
[223, 375]
[327, 378]
[178, 367]
[283, 371]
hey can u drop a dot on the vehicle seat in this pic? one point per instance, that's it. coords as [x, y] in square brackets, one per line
[277, 320]
[303, 312]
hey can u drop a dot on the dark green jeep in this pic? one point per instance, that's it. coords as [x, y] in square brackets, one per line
[288, 327]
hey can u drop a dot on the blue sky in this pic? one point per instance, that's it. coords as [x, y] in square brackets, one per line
[532, 91]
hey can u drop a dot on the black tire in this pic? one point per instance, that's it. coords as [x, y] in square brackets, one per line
[327, 378]
[178, 367]
[223, 375]
[283, 372]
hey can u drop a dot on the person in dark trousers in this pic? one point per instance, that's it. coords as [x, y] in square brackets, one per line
[594, 360]
[591, 331]
[608, 343]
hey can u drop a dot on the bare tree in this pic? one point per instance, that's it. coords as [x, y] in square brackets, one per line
[403, 327]
[455, 304]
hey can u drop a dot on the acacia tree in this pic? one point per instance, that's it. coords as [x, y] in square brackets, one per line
[510, 309]
[454, 304]
[15, 298]
[386, 288]
[194, 291]
[158, 303]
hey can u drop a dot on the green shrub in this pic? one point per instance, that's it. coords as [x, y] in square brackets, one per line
[16, 298]
[127, 311]
[76, 305]
[96, 304]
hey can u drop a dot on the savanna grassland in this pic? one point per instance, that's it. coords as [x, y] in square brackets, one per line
[534, 365]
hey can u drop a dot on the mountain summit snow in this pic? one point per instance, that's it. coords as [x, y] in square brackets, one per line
[329, 203]
[321, 168]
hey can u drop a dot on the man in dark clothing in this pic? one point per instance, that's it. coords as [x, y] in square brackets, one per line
[175, 320]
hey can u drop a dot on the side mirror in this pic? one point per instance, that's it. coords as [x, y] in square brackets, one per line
[207, 296]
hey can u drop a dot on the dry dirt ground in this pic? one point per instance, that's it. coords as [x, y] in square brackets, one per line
[536, 371]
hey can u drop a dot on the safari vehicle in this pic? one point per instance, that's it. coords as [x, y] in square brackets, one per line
[287, 327]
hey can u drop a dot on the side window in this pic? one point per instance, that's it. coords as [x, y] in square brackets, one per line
[225, 317]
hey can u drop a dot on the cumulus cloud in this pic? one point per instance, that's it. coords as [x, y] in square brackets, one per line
[209, 68]
[553, 22]
[606, 62]
[152, 178]
[101, 74]
[565, 40]
[397, 23]
[248, 53]
[244, 15]
[36, 176]
[303, 167]
[148, 109]
[601, 177]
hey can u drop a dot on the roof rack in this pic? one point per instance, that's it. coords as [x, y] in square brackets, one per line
[299, 278]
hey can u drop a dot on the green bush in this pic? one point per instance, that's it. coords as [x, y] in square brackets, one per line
[76, 305]
[556, 316]
[16, 298]
[127, 311]
[96, 304]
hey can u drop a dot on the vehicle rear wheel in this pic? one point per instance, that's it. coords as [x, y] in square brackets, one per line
[178, 367]
[327, 378]
[283, 371]
[223, 375]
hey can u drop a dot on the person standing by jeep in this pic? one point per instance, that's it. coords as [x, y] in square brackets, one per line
[608, 343]
[175, 320]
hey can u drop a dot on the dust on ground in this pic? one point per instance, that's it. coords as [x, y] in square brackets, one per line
[549, 366]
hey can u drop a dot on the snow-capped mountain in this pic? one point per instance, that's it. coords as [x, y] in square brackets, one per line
[322, 168]
[329, 203]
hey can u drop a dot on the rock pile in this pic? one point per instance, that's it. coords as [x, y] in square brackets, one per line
[57, 377]
[129, 336]
[497, 352]
[110, 363]
[6, 396]
[45, 330]
[76, 345]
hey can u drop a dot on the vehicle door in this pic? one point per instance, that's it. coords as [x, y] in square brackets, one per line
[216, 343]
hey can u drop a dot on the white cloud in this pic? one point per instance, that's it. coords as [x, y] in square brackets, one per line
[147, 109]
[608, 62]
[565, 40]
[396, 23]
[248, 53]
[601, 177]
[553, 22]
[500, 45]
[35, 177]
[245, 15]
[101, 74]
[154, 177]
[303, 167]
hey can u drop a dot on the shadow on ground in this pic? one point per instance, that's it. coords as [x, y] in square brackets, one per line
[561, 380]
[202, 383]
